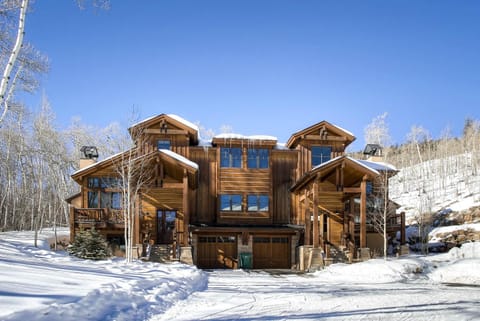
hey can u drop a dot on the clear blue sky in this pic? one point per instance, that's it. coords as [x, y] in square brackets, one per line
[264, 67]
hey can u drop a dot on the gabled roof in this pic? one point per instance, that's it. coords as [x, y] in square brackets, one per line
[169, 156]
[191, 129]
[105, 163]
[356, 170]
[345, 136]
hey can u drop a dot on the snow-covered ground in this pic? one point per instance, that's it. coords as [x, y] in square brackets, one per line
[37, 284]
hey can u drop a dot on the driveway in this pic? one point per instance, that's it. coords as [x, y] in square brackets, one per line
[273, 295]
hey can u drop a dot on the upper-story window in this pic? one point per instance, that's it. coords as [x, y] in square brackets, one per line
[102, 192]
[231, 202]
[163, 144]
[231, 157]
[257, 203]
[257, 158]
[321, 154]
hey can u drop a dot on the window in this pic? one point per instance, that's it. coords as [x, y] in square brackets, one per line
[92, 199]
[93, 182]
[163, 144]
[110, 200]
[257, 158]
[231, 202]
[231, 157]
[257, 203]
[321, 154]
[99, 195]
[104, 182]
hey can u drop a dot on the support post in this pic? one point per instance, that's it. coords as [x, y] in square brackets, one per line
[136, 220]
[315, 214]
[402, 228]
[186, 211]
[308, 223]
[72, 223]
[363, 212]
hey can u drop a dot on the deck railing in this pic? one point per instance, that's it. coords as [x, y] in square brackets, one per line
[98, 216]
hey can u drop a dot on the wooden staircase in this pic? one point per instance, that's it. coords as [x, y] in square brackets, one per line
[338, 254]
[162, 253]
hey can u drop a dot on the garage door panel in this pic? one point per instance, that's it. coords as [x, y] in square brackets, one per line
[217, 252]
[271, 252]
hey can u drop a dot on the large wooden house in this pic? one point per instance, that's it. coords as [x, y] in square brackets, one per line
[238, 201]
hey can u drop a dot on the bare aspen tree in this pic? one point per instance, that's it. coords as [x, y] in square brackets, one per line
[135, 174]
[20, 62]
[381, 208]
[5, 82]
[377, 131]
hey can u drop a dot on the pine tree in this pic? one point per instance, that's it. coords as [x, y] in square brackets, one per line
[90, 244]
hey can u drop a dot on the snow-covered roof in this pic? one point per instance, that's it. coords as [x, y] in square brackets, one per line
[173, 116]
[326, 163]
[184, 121]
[343, 129]
[240, 136]
[379, 166]
[178, 157]
[109, 158]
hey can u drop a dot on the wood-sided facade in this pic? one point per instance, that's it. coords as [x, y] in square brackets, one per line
[234, 201]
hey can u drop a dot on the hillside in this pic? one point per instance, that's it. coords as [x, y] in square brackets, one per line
[451, 185]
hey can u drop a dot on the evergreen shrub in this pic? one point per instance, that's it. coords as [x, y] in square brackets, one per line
[90, 244]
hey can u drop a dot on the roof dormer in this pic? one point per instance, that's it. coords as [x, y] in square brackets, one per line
[322, 133]
[167, 125]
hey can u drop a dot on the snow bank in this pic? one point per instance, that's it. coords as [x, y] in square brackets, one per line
[463, 268]
[437, 234]
[38, 284]
[372, 271]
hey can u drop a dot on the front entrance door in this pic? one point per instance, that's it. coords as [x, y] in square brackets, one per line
[165, 226]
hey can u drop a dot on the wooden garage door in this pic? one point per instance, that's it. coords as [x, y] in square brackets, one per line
[271, 252]
[217, 252]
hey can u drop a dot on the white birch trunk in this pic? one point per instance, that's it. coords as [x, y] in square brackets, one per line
[12, 59]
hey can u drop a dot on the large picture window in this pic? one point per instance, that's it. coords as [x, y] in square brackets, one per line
[231, 157]
[321, 154]
[258, 158]
[257, 203]
[231, 202]
[99, 195]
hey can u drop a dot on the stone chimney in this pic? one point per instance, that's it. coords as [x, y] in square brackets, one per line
[373, 153]
[89, 156]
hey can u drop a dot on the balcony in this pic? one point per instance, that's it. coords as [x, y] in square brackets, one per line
[98, 218]
[394, 222]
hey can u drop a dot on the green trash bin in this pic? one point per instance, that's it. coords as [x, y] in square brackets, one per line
[246, 260]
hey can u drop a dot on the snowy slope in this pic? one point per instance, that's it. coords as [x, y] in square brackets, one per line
[437, 184]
